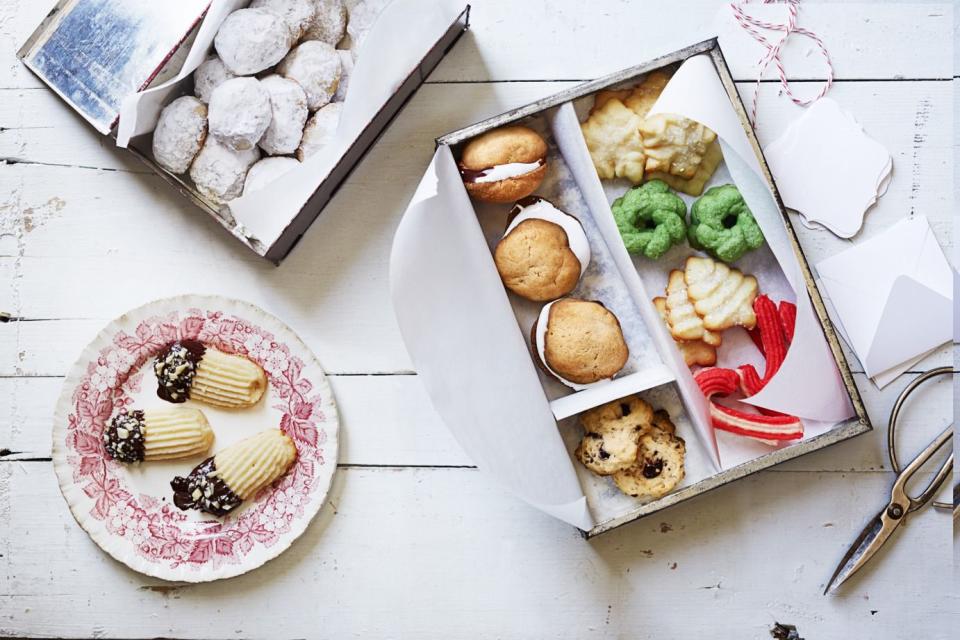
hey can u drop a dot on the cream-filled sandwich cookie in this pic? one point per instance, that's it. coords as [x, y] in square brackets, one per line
[162, 433]
[504, 165]
[188, 369]
[219, 484]
[543, 252]
[579, 342]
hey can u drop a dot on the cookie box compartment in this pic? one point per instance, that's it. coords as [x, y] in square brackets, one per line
[469, 338]
[118, 63]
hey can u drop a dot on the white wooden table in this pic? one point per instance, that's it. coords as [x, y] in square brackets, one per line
[414, 541]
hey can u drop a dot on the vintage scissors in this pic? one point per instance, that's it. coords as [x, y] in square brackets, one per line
[882, 526]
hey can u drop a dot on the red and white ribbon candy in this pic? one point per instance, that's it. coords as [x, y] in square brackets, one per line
[753, 26]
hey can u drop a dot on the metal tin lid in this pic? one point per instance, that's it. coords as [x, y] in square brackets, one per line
[94, 53]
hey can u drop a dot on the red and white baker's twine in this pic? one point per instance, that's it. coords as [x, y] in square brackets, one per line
[753, 26]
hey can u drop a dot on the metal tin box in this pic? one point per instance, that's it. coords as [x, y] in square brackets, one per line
[453, 386]
[96, 53]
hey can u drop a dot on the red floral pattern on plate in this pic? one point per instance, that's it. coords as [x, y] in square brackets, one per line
[153, 527]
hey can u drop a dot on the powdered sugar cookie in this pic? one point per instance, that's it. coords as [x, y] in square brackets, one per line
[240, 112]
[265, 171]
[288, 103]
[219, 171]
[297, 14]
[362, 18]
[320, 130]
[250, 40]
[209, 75]
[315, 66]
[179, 133]
[346, 68]
[329, 22]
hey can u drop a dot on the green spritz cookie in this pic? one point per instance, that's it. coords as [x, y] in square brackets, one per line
[721, 224]
[651, 219]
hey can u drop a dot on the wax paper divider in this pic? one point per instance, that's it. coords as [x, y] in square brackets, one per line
[566, 132]
[464, 341]
[696, 91]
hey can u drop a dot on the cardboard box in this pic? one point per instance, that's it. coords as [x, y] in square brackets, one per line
[117, 63]
[469, 338]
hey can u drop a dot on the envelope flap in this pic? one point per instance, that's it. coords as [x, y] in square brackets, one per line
[915, 319]
[464, 341]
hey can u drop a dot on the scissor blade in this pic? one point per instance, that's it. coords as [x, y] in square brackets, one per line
[863, 548]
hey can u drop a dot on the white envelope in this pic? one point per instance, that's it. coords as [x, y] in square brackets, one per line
[893, 294]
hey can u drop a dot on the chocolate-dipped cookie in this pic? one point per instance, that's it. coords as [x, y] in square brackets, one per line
[219, 484]
[162, 433]
[504, 165]
[188, 369]
[543, 252]
[578, 342]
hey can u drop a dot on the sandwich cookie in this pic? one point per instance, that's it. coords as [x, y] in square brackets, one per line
[579, 342]
[504, 165]
[543, 252]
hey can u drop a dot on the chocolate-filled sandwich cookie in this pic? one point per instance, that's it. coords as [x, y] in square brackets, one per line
[219, 484]
[543, 252]
[578, 342]
[188, 369]
[504, 165]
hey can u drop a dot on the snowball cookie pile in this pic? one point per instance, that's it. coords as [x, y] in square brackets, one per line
[274, 64]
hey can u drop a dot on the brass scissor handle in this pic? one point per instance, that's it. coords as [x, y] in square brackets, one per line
[945, 470]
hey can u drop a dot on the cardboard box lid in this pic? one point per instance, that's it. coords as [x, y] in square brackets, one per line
[94, 53]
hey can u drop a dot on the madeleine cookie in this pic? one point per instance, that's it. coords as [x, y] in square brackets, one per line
[612, 433]
[189, 369]
[694, 352]
[180, 133]
[658, 468]
[219, 484]
[579, 342]
[613, 139]
[682, 317]
[674, 144]
[543, 252]
[251, 40]
[722, 296]
[504, 165]
[163, 433]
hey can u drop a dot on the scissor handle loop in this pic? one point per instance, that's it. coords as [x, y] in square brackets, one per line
[945, 470]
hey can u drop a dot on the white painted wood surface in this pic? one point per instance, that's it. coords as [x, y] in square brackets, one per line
[415, 542]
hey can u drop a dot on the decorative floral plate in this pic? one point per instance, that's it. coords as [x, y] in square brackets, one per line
[129, 510]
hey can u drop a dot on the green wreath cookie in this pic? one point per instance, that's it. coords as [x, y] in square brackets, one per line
[722, 225]
[651, 219]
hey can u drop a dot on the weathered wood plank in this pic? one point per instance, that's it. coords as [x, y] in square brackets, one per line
[388, 420]
[539, 39]
[383, 556]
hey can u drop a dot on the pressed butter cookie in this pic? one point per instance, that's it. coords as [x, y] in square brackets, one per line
[694, 352]
[504, 165]
[722, 296]
[543, 252]
[579, 342]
